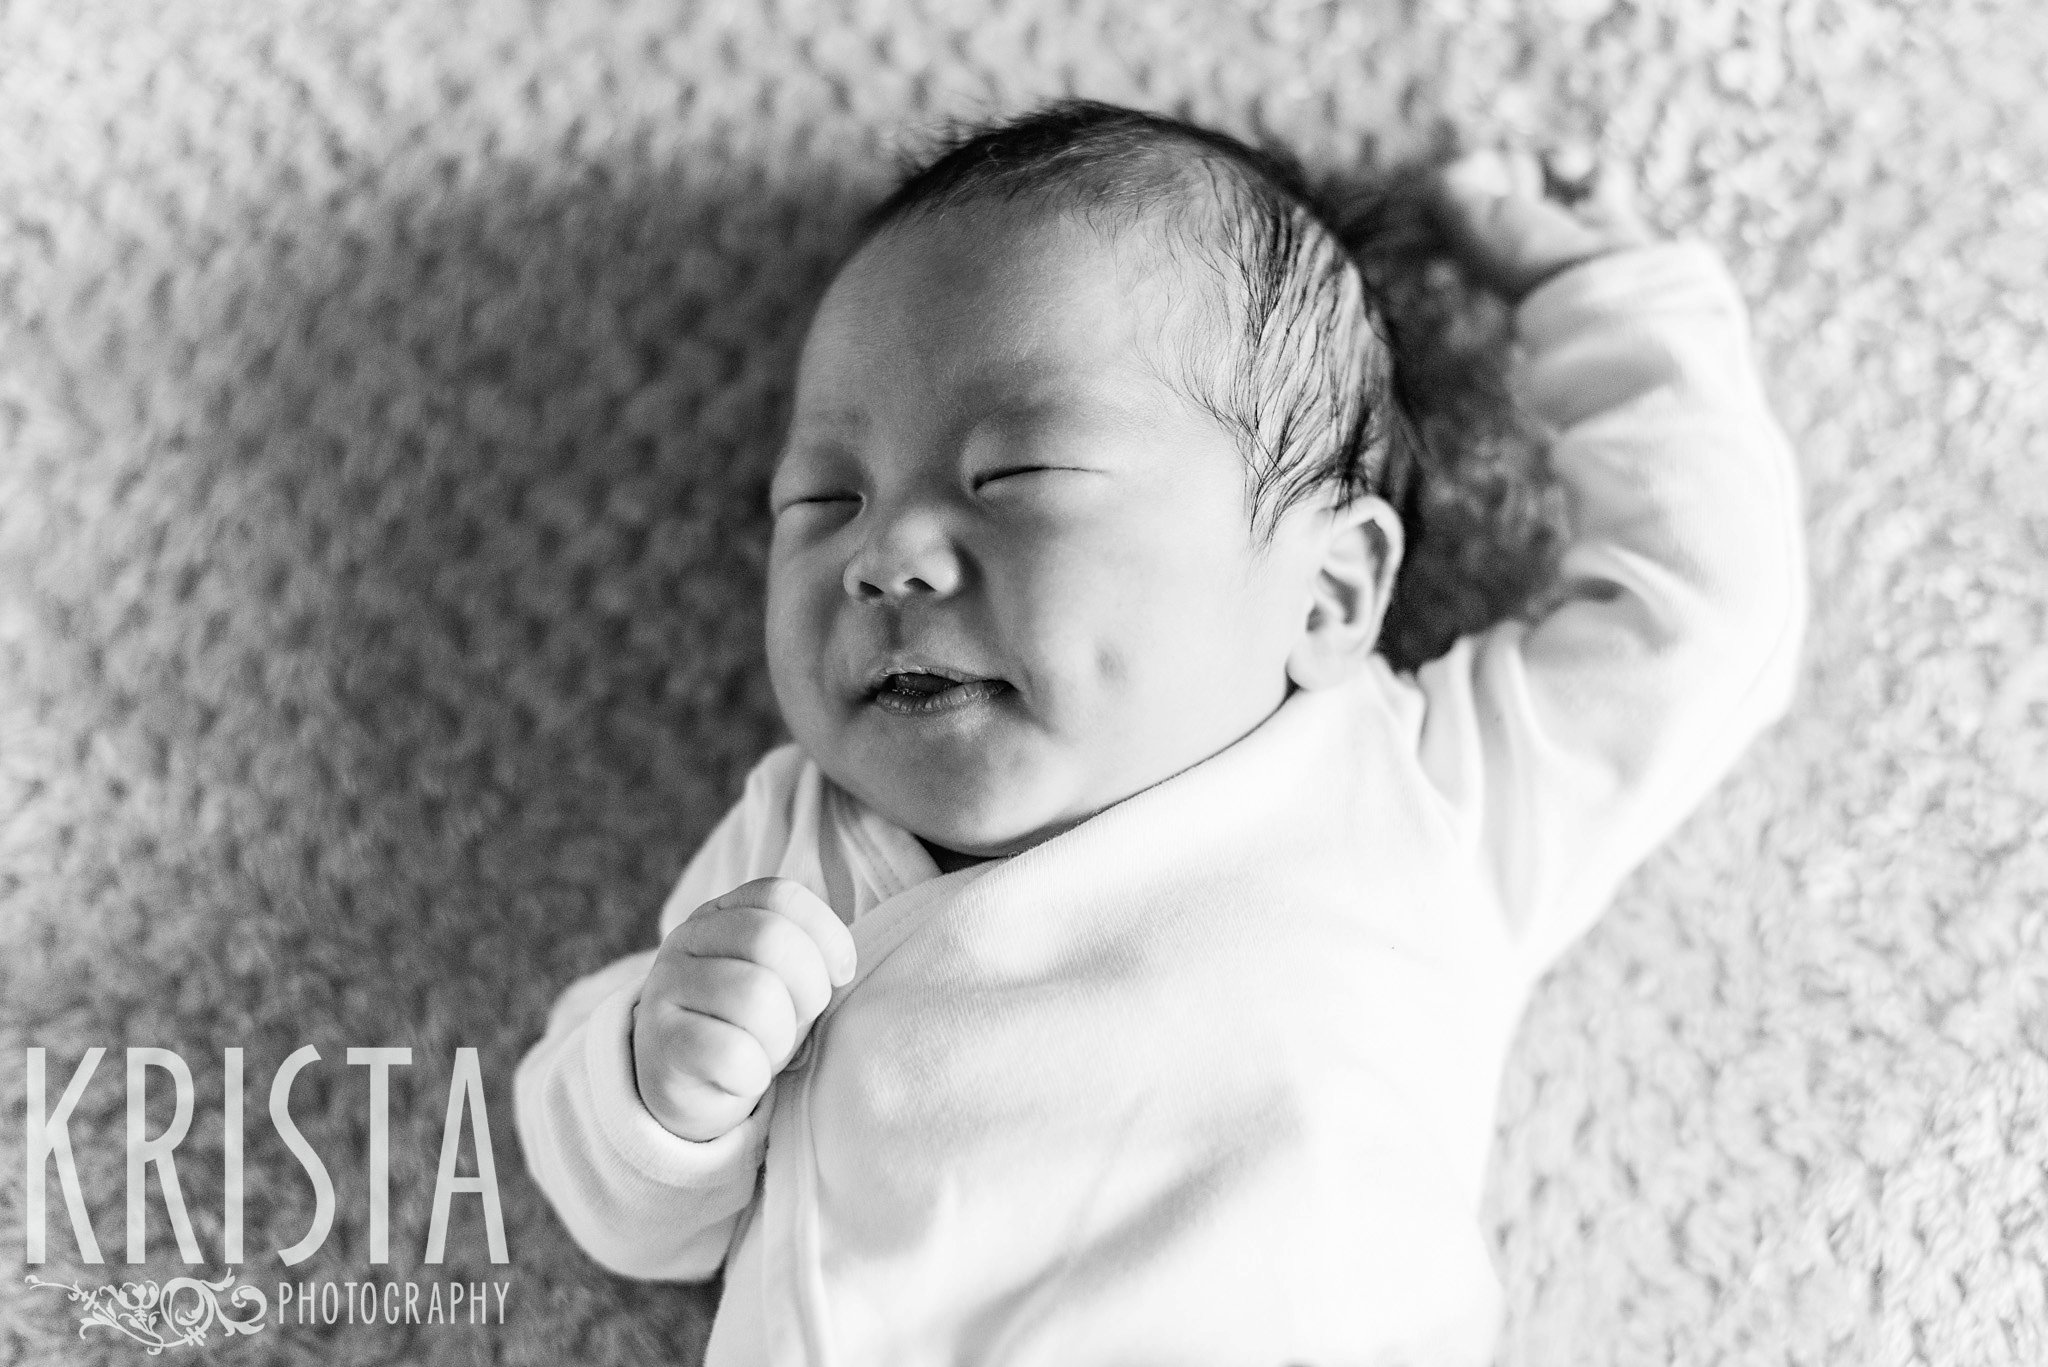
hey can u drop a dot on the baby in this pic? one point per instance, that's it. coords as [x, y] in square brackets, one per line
[1119, 966]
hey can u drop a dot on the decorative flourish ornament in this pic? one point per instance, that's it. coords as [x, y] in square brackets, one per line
[179, 1314]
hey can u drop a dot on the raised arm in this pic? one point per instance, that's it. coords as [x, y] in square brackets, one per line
[1573, 744]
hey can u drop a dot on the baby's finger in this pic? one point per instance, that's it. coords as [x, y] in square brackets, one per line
[774, 941]
[1570, 173]
[1611, 209]
[697, 1110]
[1599, 195]
[741, 994]
[719, 1053]
[787, 897]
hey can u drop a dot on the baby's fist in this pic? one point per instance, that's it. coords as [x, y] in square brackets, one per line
[1515, 221]
[732, 993]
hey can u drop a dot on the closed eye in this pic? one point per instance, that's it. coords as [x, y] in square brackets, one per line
[1015, 471]
[821, 499]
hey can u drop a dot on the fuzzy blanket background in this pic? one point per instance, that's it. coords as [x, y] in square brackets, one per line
[386, 398]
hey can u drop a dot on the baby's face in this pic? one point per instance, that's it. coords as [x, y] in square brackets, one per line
[1013, 577]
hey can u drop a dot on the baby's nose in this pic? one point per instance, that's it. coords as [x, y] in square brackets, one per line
[907, 559]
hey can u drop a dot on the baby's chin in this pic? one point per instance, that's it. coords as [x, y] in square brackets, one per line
[986, 829]
[979, 812]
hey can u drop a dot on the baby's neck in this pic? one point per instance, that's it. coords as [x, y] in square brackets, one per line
[950, 860]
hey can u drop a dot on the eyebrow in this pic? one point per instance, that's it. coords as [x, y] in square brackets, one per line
[1047, 382]
[1085, 406]
[1090, 396]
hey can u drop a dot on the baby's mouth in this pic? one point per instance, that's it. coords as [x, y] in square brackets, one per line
[919, 692]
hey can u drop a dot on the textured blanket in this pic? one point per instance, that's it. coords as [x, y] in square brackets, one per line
[386, 400]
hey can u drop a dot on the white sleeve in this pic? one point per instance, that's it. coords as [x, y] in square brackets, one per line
[1570, 745]
[644, 1202]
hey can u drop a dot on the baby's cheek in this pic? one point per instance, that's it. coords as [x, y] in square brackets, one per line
[787, 647]
[799, 627]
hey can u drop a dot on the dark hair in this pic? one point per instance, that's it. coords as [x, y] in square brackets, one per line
[1349, 359]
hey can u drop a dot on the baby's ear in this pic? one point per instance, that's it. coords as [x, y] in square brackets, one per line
[1349, 595]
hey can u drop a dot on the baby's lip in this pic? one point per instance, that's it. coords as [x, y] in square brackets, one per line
[880, 675]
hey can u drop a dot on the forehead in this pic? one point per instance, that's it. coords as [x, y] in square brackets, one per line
[995, 299]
